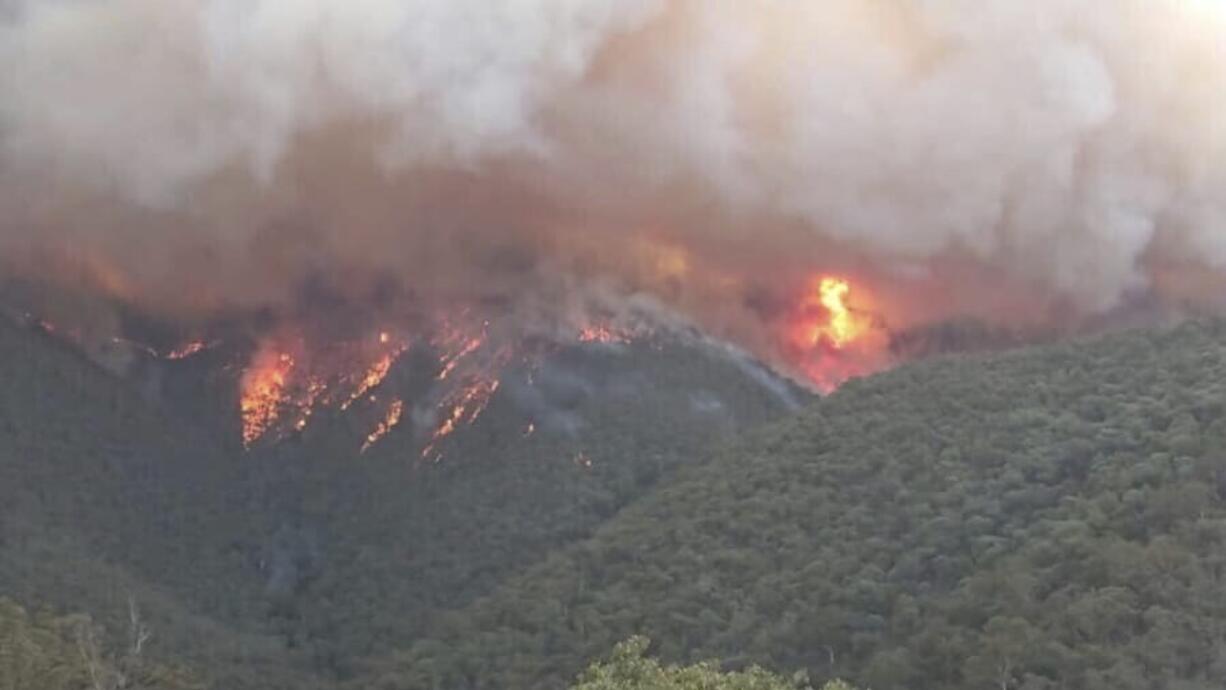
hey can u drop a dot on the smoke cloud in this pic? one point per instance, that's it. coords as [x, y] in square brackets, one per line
[1021, 161]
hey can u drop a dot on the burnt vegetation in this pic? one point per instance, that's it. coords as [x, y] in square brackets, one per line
[1039, 518]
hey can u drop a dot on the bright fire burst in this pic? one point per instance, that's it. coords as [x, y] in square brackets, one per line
[841, 326]
[827, 338]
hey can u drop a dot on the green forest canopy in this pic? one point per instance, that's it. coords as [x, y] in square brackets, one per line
[1050, 517]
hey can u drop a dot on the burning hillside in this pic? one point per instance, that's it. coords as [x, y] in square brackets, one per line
[805, 181]
[332, 355]
[287, 380]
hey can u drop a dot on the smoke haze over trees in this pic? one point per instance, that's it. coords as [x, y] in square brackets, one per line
[463, 345]
[1044, 162]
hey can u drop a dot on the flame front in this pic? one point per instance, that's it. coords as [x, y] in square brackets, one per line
[291, 381]
[464, 407]
[280, 392]
[389, 422]
[451, 361]
[373, 377]
[263, 392]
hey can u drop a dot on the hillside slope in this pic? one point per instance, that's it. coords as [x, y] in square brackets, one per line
[283, 566]
[1047, 518]
[388, 542]
[105, 497]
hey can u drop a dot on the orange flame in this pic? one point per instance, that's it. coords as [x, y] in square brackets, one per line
[465, 407]
[374, 376]
[450, 362]
[306, 404]
[390, 420]
[263, 393]
[827, 339]
[279, 392]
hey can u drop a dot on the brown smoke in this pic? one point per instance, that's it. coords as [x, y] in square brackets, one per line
[1025, 162]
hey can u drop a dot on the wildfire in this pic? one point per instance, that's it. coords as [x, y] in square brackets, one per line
[840, 326]
[263, 393]
[389, 422]
[373, 377]
[827, 338]
[602, 334]
[188, 350]
[315, 390]
[464, 407]
[451, 361]
[280, 392]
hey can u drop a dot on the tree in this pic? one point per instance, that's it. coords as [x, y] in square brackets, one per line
[70, 653]
[628, 668]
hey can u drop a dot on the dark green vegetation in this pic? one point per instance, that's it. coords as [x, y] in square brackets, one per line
[1046, 518]
[71, 652]
[628, 668]
[288, 565]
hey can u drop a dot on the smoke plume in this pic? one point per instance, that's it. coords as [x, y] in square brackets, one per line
[1025, 162]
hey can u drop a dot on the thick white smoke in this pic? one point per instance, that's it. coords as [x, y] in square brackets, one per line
[960, 155]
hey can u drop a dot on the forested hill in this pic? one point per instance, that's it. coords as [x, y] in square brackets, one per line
[1045, 518]
[106, 497]
[286, 565]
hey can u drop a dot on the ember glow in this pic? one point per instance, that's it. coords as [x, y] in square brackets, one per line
[305, 404]
[462, 408]
[389, 422]
[602, 334]
[263, 392]
[188, 350]
[374, 376]
[453, 360]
